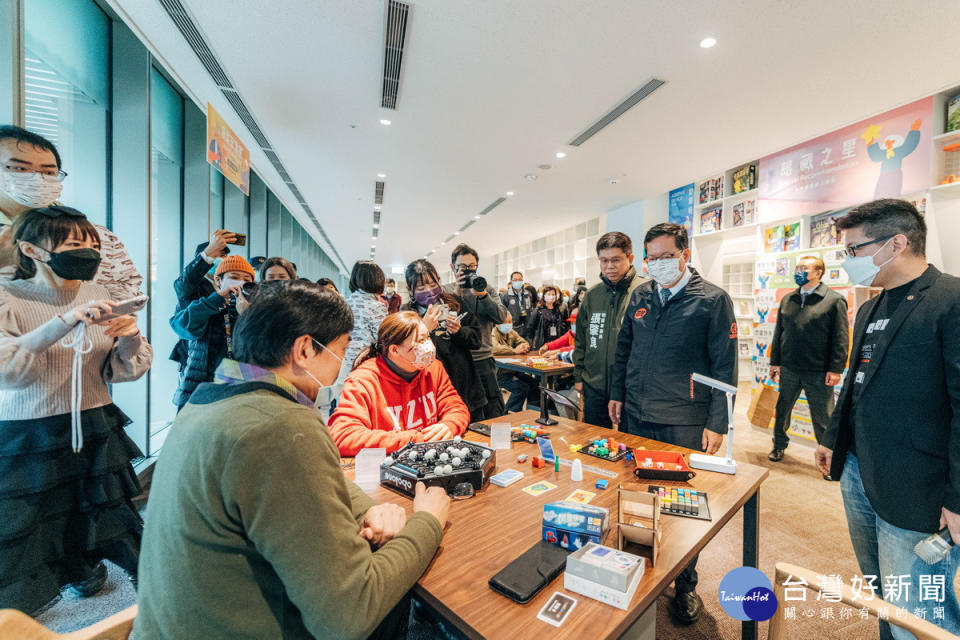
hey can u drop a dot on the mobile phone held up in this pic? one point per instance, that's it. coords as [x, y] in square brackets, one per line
[126, 308]
[239, 239]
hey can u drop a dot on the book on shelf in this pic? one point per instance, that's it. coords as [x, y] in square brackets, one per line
[782, 237]
[710, 219]
[743, 213]
[824, 231]
[953, 114]
[710, 189]
[745, 178]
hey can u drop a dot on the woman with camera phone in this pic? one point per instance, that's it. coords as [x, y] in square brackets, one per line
[66, 480]
[455, 333]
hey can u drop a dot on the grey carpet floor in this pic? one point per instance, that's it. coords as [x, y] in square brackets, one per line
[801, 522]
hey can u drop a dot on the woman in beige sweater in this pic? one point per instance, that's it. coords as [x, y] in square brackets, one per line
[65, 475]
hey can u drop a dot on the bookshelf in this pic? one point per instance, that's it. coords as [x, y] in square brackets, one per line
[559, 258]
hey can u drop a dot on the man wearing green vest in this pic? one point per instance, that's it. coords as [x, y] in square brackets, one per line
[598, 324]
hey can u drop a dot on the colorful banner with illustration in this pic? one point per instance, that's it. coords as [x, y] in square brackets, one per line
[886, 156]
[226, 152]
[681, 206]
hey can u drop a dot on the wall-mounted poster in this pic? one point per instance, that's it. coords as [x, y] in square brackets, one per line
[885, 156]
[681, 206]
[226, 152]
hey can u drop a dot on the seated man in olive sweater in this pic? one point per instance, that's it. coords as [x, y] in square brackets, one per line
[252, 531]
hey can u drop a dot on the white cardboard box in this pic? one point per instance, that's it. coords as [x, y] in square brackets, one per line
[619, 599]
[600, 582]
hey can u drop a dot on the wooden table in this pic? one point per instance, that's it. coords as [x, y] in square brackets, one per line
[546, 374]
[486, 532]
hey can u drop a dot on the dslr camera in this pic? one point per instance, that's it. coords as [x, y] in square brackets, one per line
[470, 280]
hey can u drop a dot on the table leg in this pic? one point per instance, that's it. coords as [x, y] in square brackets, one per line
[751, 538]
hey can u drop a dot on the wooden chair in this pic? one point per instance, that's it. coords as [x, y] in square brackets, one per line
[920, 628]
[16, 625]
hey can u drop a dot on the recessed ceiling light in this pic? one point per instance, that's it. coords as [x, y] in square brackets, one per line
[545, 167]
[443, 243]
[509, 194]
[374, 238]
[381, 175]
[456, 233]
[385, 122]
[560, 154]
[706, 43]
[376, 207]
[530, 177]
[476, 217]
[376, 226]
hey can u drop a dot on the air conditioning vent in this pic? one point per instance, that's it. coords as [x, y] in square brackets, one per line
[234, 99]
[398, 14]
[192, 35]
[638, 95]
[493, 205]
[378, 188]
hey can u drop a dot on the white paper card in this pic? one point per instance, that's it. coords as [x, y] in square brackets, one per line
[500, 435]
[368, 468]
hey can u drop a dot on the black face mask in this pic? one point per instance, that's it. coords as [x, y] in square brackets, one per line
[76, 264]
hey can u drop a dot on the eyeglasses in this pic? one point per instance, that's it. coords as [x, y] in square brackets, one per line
[53, 175]
[669, 256]
[852, 249]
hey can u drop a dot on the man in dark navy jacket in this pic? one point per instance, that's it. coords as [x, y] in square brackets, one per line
[809, 350]
[894, 439]
[675, 326]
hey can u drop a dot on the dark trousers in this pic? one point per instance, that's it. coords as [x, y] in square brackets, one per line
[681, 436]
[819, 397]
[519, 387]
[487, 372]
[595, 407]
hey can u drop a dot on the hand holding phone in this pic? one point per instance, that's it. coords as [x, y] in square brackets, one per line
[124, 308]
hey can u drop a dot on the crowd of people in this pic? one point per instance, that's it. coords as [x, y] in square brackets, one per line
[280, 376]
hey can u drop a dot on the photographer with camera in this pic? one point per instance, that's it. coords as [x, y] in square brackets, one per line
[208, 324]
[483, 303]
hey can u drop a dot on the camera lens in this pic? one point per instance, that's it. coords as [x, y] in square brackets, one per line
[479, 284]
[249, 288]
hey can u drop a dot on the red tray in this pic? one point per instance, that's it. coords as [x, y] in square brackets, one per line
[670, 460]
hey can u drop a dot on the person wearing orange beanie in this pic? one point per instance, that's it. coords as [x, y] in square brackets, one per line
[398, 393]
[208, 323]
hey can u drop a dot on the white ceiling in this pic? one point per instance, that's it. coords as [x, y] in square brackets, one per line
[491, 89]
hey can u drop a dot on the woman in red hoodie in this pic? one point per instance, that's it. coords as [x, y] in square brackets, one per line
[398, 393]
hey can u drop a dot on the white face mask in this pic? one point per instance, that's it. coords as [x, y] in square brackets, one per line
[30, 189]
[664, 271]
[424, 353]
[862, 270]
[550, 298]
[229, 283]
[388, 291]
[505, 328]
[325, 393]
[517, 284]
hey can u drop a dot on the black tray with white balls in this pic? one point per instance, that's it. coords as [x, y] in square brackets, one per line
[446, 464]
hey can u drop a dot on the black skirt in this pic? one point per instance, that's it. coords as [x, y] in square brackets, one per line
[61, 512]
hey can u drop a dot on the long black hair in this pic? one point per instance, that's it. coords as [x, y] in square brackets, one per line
[48, 228]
